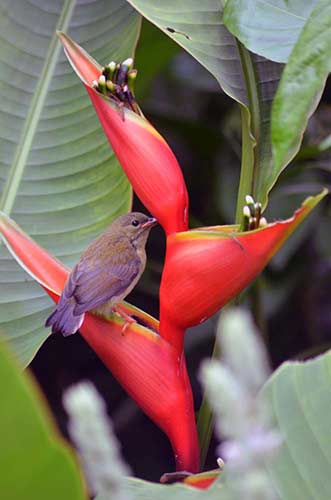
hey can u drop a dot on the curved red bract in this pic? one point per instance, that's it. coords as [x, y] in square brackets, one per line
[206, 268]
[146, 158]
[204, 480]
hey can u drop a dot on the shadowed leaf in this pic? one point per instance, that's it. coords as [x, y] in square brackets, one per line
[302, 84]
[35, 462]
[268, 27]
[300, 396]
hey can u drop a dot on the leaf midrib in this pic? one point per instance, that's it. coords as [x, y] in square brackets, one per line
[32, 119]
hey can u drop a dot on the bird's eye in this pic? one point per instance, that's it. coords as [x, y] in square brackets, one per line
[135, 222]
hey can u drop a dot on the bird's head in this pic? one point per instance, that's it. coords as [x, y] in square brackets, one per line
[135, 225]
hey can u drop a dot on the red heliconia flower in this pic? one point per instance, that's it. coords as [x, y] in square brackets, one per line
[205, 268]
[147, 366]
[146, 158]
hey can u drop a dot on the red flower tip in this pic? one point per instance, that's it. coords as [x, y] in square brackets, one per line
[203, 480]
[82, 63]
[146, 158]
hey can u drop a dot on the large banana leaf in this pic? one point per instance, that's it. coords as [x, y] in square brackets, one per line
[144, 490]
[196, 26]
[270, 27]
[58, 176]
[34, 460]
[302, 83]
[249, 79]
[300, 397]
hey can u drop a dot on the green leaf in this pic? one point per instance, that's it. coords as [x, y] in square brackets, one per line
[302, 84]
[248, 78]
[59, 178]
[257, 171]
[268, 27]
[300, 395]
[197, 27]
[138, 489]
[34, 460]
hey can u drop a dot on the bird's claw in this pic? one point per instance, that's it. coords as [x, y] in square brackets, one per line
[128, 319]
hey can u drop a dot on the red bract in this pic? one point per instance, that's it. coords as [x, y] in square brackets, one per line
[201, 481]
[207, 267]
[204, 480]
[144, 155]
[146, 365]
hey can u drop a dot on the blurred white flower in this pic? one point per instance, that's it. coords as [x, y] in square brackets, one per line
[232, 385]
[91, 430]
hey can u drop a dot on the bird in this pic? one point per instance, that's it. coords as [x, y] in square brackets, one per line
[105, 274]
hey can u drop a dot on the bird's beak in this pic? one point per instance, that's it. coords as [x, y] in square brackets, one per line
[149, 223]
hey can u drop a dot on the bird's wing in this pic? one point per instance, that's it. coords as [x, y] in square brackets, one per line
[95, 281]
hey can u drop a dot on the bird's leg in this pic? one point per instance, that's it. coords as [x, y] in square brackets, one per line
[128, 319]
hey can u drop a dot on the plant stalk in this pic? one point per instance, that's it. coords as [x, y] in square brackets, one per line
[250, 119]
[205, 422]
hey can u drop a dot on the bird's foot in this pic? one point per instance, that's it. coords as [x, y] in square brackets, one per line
[128, 319]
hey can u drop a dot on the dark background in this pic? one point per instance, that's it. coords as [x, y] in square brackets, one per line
[290, 301]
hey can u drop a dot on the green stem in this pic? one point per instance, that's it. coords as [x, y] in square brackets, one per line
[205, 423]
[250, 119]
[247, 163]
[257, 308]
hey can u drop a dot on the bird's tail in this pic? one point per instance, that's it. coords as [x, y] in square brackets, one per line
[63, 320]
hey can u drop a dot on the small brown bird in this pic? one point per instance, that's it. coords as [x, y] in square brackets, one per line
[105, 274]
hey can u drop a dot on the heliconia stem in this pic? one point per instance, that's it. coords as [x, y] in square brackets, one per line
[171, 331]
[189, 451]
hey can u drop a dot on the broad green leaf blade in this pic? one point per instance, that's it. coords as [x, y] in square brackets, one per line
[197, 27]
[249, 79]
[302, 84]
[300, 395]
[35, 462]
[268, 27]
[58, 175]
[145, 490]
